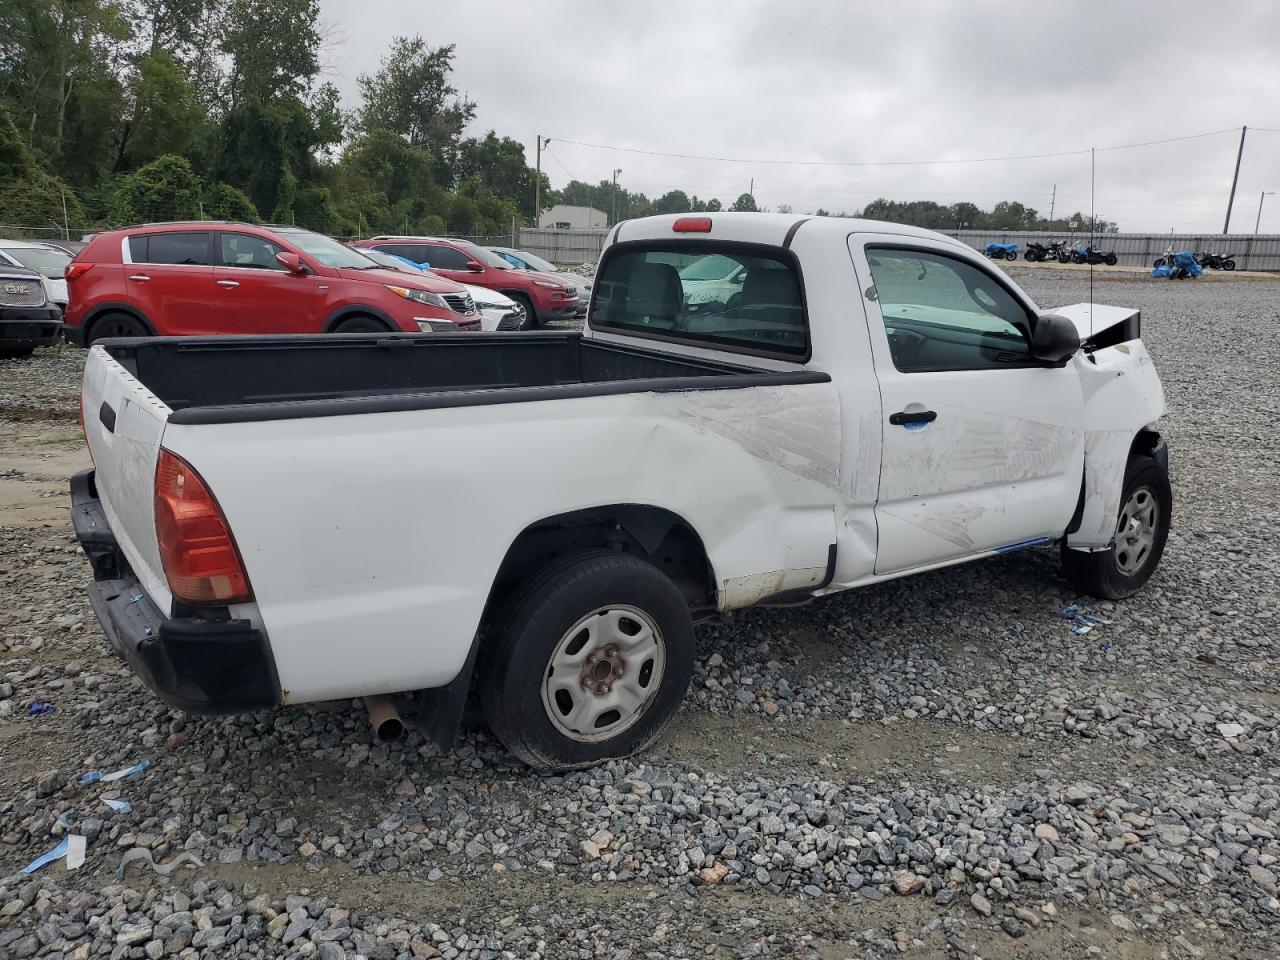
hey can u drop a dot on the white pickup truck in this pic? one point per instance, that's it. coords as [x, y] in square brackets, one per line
[544, 516]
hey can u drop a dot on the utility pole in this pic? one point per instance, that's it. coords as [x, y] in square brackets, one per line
[537, 182]
[1053, 200]
[615, 194]
[1257, 223]
[1234, 180]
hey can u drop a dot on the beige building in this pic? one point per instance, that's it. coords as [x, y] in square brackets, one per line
[564, 217]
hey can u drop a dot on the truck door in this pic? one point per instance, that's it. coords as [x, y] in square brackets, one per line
[983, 446]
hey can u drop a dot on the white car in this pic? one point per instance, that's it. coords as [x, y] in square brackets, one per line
[47, 260]
[882, 401]
[497, 311]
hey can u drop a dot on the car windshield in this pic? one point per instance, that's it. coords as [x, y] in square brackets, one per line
[487, 257]
[536, 263]
[52, 263]
[714, 267]
[329, 251]
[387, 260]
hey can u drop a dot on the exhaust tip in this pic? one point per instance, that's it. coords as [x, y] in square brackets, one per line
[384, 718]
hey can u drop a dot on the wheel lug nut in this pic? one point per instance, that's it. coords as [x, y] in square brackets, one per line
[618, 670]
[602, 688]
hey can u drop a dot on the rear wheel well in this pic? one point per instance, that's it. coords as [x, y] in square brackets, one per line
[97, 315]
[651, 533]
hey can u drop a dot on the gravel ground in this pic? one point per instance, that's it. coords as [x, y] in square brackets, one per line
[937, 766]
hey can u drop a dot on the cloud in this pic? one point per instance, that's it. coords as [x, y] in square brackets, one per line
[827, 80]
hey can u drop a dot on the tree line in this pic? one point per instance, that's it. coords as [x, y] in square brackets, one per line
[124, 111]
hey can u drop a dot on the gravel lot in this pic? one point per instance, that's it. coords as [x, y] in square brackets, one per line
[937, 766]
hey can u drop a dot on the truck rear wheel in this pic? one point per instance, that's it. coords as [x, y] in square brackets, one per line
[1141, 531]
[589, 662]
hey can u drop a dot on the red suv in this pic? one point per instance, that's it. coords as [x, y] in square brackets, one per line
[544, 298]
[177, 279]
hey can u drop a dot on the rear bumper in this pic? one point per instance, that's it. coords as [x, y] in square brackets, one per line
[203, 664]
[25, 327]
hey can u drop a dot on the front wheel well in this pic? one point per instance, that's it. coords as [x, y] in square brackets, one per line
[652, 533]
[1145, 441]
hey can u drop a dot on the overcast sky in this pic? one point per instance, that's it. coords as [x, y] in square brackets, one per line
[832, 81]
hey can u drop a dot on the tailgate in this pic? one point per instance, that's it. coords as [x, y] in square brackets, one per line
[124, 422]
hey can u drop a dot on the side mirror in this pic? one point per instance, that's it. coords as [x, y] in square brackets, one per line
[1055, 339]
[474, 267]
[291, 262]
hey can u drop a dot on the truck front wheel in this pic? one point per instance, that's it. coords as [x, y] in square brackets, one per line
[589, 662]
[1146, 507]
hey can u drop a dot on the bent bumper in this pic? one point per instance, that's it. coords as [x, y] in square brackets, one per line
[203, 664]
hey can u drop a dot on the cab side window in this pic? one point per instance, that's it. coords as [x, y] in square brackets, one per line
[941, 313]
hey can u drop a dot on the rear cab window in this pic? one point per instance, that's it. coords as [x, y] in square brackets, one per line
[736, 297]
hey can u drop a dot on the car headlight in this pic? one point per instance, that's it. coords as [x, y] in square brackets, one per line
[549, 284]
[419, 296]
[435, 326]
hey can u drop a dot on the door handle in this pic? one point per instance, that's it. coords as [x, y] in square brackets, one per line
[139, 277]
[904, 419]
[228, 283]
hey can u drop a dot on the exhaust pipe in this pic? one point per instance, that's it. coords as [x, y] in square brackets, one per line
[384, 718]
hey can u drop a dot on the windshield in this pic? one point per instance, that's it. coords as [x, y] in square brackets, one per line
[388, 260]
[487, 257]
[52, 263]
[329, 251]
[536, 263]
[714, 267]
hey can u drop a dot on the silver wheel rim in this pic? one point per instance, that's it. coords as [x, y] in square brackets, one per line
[604, 673]
[1136, 533]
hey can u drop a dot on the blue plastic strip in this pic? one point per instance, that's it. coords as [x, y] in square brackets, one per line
[1038, 542]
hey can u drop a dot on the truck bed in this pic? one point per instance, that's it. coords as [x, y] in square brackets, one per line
[240, 379]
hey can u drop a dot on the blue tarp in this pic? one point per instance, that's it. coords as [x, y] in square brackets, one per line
[1184, 265]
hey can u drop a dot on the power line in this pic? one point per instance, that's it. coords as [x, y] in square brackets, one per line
[891, 163]
[558, 163]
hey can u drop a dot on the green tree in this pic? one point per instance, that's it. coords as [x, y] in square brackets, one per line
[164, 189]
[745, 202]
[499, 164]
[29, 195]
[273, 47]
[411, 95]
[224, 202]
[713, 206]
[673, 201]
[167, 116]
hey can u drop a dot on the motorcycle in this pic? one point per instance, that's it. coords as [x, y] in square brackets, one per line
[1001, 251]
[1216, 261]
[1039, 253]
[1091, 254]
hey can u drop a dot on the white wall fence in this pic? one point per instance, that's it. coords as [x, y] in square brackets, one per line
[1133, 249]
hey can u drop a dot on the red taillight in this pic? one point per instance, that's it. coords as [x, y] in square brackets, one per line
[200, 558]
[75, 270]
[692, 225]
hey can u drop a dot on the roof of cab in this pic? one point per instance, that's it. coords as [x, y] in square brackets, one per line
[774, 229]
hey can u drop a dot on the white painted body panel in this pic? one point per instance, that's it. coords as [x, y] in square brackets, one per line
[372, 541]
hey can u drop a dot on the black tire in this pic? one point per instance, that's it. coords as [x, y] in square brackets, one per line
[1011, 255]
[1064, 258]
[1099, 573]
[1228, 264]
[1030, 255]
[1157, 263]
[530, 314]
[1110, 260]
[516, 658]
[362, 324]
[115, 324]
